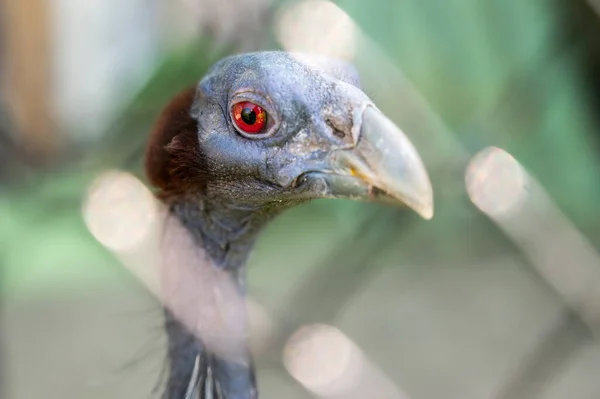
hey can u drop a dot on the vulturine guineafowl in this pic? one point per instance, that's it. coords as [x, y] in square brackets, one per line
[261, 133]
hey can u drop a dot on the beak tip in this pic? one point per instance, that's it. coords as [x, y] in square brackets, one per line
[390, 162]
[426, 212]
[425, 208]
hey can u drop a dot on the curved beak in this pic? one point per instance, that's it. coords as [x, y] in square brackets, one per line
[382, 166]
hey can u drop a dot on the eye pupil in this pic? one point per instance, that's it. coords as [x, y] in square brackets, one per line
[249, 116]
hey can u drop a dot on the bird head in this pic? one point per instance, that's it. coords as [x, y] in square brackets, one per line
[279, 128]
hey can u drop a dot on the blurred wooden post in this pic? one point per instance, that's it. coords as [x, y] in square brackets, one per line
[27, 70]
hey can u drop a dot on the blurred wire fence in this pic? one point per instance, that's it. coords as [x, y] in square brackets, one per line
[497, 297]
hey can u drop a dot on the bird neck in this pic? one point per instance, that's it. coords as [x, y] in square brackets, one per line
[225, 231]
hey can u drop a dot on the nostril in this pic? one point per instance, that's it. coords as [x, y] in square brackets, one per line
[339, 133]
[336, 132]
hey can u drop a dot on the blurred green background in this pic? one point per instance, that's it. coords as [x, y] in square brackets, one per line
[446, 308]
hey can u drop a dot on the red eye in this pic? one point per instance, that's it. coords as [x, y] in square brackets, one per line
[249, 117]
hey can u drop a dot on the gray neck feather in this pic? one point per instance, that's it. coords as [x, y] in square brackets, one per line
[226, 232]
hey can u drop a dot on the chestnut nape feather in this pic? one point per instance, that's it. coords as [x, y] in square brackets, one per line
[173, 159]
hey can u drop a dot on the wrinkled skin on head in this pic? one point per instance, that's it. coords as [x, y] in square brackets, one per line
[324, 138]
[311, 114]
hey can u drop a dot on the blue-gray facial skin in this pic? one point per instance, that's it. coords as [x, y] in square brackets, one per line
[312, 145]
[322, 138]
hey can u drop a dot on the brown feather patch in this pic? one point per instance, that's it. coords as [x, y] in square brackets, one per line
[174, 163]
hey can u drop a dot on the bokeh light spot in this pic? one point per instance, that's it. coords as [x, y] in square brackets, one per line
[496, 183]
[318, 27]
[323, 360]
[119, 210]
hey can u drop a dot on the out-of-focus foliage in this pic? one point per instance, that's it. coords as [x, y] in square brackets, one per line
[499, 73]
[496, 73]
[45, 213]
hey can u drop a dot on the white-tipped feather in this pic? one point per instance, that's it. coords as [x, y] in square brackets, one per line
[192, 389]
